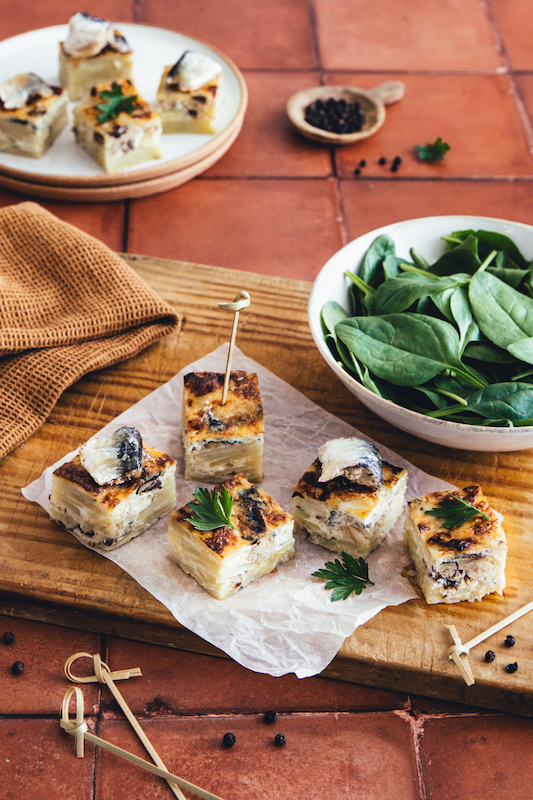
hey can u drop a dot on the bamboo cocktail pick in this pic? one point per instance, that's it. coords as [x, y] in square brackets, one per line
[102, 674]
[80, 731]
[238, 303]
[459, 651]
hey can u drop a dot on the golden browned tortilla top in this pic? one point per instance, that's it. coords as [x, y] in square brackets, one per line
[254, 515]
[241, 416]
[108, 495]
[142, 114]
[341, 488]
[476, 533]
[36, 106]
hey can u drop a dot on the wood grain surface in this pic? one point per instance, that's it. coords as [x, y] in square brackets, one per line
[46, 574]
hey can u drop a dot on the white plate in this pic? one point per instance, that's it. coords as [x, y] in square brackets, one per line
[424, 235]
[153, 49]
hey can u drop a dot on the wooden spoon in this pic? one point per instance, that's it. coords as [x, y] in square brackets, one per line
[373, 102]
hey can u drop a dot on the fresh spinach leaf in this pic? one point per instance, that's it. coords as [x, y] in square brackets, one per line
[371, 271]
[492, 240]
[405, 349]
[463, 258]
[463, 317]
[504, 315]
[398, 294]
[483, 351]
[513, 401]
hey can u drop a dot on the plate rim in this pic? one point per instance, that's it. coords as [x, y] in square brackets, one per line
[118, 192]
[153, 170]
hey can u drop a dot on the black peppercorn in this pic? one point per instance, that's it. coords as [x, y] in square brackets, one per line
[9, 637]
[335, 116]
[357, 171]
[490, 655]
[382, 161]
[279, 740]
[511, 667]
[394, 167]
[362, 163]
[270, 716]
[509, 641]
[397, 160]
[228, 740]
[17, 668]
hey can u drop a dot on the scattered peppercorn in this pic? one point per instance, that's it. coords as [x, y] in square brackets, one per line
[382, 161]
[9, 637]
[490, 655]
[357, 171]
[335, 116]
[510, 641]
[511, 667]
[362, 163]
[270, 717]
[17, 668]
[394, 167]
[279, 740]
[397, 160]
[228, 740]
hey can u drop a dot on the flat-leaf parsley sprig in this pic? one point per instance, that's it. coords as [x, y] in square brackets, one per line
[350, 576]
[211, 510]
[432, 152]
[454, 512]
[117, 102]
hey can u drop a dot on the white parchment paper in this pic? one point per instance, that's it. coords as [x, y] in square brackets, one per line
[282, 622]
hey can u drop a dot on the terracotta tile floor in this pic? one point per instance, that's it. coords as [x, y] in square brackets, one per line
[279, 205]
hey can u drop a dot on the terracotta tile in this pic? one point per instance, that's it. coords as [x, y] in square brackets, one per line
[273, 35]
[18, 17]
[170, 685]
[475, 114]
[275, 227]
[367, 756]
[406, 35]
[370, 204]
[474, 757]
[268, 145]
[511, 17]
[105, 221]
[39, 762]
[43, 649]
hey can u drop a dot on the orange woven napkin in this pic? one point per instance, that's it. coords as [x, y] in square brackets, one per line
[68, 306]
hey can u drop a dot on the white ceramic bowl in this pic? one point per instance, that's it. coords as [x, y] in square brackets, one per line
[424, 235]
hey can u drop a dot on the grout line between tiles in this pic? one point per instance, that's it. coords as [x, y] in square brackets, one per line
[370, 178]
[515, 92]
[125, 226]
[314, 31]
[137, 10]
[416, 726]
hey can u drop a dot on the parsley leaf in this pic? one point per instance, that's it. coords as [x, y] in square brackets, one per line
[117, 102]
[211, 510]
[350, 576]
[432, 152]
[454, 512]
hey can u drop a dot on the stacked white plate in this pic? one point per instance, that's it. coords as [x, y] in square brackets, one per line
[66, 172]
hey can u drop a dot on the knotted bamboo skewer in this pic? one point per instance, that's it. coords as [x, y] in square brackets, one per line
[237, 304]
[459, 651]
[102, 674]
[79, 730]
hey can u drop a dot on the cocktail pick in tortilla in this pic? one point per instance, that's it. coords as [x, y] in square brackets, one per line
[238, 303]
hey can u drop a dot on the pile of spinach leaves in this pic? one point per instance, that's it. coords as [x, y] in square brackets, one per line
[453, 339]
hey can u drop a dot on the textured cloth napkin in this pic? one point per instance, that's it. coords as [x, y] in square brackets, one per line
[68, 306]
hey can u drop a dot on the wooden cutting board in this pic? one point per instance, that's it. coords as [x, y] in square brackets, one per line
[45, 574]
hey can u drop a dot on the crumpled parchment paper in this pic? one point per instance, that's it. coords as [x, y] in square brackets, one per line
[282, 622]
